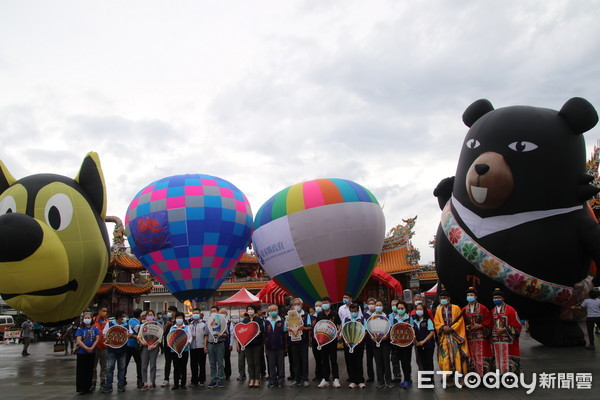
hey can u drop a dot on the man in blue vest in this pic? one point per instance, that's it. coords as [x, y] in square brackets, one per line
[115, 357]
[275, 345]
[133, 348]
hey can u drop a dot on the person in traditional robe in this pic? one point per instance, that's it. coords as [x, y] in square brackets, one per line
[453, 350]
[505, 335]
[478, 320]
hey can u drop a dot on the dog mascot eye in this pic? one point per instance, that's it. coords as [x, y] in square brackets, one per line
[472, 143]
[522, 147]
[8, 205]
[59, 211]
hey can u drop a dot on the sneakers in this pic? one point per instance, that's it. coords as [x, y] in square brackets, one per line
[106, 389]
[590, 347]
[241, 378]
[336, 383]
[175, 387]
[362, 385]
[352, 385]
[220, 384]
[324, 384]
[406, 384]
[306, 384]
[381, 385]
[296, 383]
[121, 389]
[165, 383]
[201, 384]
[212, 385]
[271, 385]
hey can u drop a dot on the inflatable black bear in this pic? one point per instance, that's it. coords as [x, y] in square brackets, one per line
[515, 215]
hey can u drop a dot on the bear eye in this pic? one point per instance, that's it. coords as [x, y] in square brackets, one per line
[59, 211]
[8, 205]
[522, 146]
[472, 143]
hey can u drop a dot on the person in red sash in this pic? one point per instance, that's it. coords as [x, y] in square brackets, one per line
[479, 328]
[505, 335]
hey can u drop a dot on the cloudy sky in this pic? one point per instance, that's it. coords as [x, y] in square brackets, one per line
[267, 94]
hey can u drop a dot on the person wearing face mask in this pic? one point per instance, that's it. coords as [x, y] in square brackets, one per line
[87, 337]
[101, 353]
[424, 337]
[404, 353]
[254, 349]
[275, 346]
[241, 354]
[149, 354]
[197, 355]
[133, 348]
[116, 357]
[180, 363]
[478, 320]
[418, 299]
[216, 353]
[299, 347]
[329, 352]
[369, 344]
[505, 335]
[228, 345]
[453, 351]
[169, 318]
[313, 345]
[344, 313]
[394, 350]
[381, 353]
[355, 359]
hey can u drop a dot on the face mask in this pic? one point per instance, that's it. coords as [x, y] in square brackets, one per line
[326, 306]
[401, 311]
[346, 301]
[417, 302]
[250, 312]
[125, 320]
[497, 302]
[196, 316]
[394, 308]
[179, 321]
[420, 313]
[378, 309]
[297, 308]
[470, 299]
[87, 321]
[371, 307]
[103, 314]
[354, 314]
[169, 315]
[149, 317]
[273, 314]
[444, 302]
[318, 309]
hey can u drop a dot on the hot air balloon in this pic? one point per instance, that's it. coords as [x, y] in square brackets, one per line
[189, 231]
[320, 238]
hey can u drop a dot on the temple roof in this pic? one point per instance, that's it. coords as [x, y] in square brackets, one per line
[124, 288]
[427, 275]
[249, 258]
[126, 262]
[229, 286]
[394, 261]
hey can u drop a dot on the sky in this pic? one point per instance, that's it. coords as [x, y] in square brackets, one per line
[267, 94]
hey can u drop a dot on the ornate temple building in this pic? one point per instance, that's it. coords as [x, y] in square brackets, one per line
[592, 169]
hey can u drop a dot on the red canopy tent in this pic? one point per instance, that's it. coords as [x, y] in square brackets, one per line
[431, 292]
[380, 275]
[241, 298]
[272, 293]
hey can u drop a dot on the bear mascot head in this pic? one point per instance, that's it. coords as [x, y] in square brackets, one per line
[515, 215]
[53, 242]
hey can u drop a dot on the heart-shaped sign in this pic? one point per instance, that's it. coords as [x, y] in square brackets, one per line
[177, 340]
[325, 333]
[116, 336]
[151, 332]
[245, 333]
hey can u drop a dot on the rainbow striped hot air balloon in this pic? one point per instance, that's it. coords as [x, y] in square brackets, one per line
[320, 238]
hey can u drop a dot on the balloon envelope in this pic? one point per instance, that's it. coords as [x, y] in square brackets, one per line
[320, 238]
[189, 231]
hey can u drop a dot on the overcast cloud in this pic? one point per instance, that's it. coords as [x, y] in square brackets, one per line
[267, 94]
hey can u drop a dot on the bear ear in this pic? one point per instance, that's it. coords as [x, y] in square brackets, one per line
[91, 180]
[580, 114]
[6, 179]
[476, 110]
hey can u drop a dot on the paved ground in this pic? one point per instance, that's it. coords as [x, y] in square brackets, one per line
[48, 375]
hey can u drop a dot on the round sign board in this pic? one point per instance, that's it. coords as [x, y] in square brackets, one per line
[402, 334]
[116, 336]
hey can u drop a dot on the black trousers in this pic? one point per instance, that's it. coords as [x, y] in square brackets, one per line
[329, 363]
[84, 372]
[227, 358]
[426, 356]
[590, 321]
[369, 347]
[405, 357]
[290, 357]
[198, 366]
[395, 360]
[180, 368]
[168, 361]
[318, 362]
[381, 355]
[299, 355]
[355, 364]
[136, 353]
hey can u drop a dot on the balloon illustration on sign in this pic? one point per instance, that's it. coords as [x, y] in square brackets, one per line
[353, 333]
[178, 340]
[320, 238]
[189, 231]
[378, 326]
[325, 333]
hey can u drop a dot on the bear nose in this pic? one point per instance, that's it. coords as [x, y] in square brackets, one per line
[482, 168]
[20, 237]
